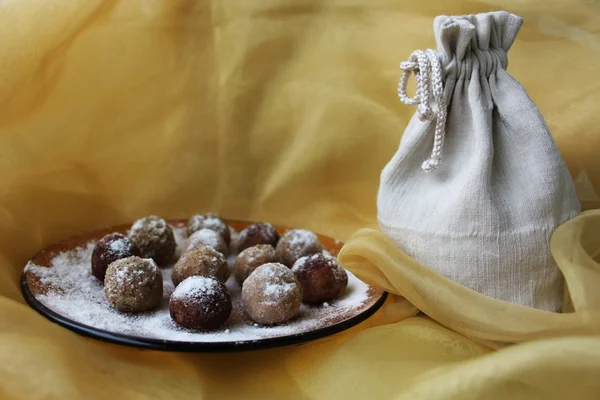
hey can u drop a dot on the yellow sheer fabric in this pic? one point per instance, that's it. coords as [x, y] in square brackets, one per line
[286, 112]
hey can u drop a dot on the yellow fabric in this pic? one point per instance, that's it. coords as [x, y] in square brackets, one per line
[280, 111]
[375, 259]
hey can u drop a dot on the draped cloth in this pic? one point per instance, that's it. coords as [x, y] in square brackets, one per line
[283, 112]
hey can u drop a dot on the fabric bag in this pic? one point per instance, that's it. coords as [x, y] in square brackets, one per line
[481, 206]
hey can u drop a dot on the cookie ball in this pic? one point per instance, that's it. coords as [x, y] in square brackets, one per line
[133, 284]
[271, 294]
[200, 261]
[321, 277]
[111, 248]
[209, 221]
[210, 238]
[251, 258]
[200, 303]
[259, 233]
[297, 243]
[155, 239]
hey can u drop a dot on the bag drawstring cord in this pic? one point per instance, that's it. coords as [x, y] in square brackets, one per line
[428, 73]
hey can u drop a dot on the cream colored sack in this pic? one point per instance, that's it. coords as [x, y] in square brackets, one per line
[481, 206]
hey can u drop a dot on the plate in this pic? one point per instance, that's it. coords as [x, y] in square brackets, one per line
[58, 284]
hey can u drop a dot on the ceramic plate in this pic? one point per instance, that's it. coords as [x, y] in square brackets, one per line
[58, 284]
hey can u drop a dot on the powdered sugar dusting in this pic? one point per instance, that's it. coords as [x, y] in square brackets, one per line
[69, 272]
[130, 272]
[213, 223]
[328, 257]
[206, 221]
[301, 261]
[119, 246]
[275, 288]
[299, 237]
[278, 289]
[76, 294]
[207, 237]
[152, 223]
[195, 286]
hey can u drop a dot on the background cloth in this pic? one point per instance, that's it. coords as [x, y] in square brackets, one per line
[278, 111]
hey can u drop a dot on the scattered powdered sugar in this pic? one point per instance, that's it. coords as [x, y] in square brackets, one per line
[213, 222]
[195, 286]
[153, 236]
[275, 286]
[70, 271]
[278, 290]
[300, 262]
[207, 237]
[250, 256]
[129, 272]
[75, 293]
[119, 245]
[206, 221]
[151, 223]
[300, 237]
[303, 260]
[339, 273]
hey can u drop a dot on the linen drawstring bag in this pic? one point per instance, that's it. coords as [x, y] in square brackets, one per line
[477, 185]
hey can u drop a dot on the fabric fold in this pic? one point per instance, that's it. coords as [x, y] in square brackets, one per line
[374, 258]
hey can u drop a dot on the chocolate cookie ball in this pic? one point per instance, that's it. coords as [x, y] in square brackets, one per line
[209, 221]
[210, 238]
[200, 261]
[200, 303]
[297, 243]
[251, 258]
[271, 294]
[321, 277]
[111, 248]
[155, 239]
[133, 284]
[259, 233]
